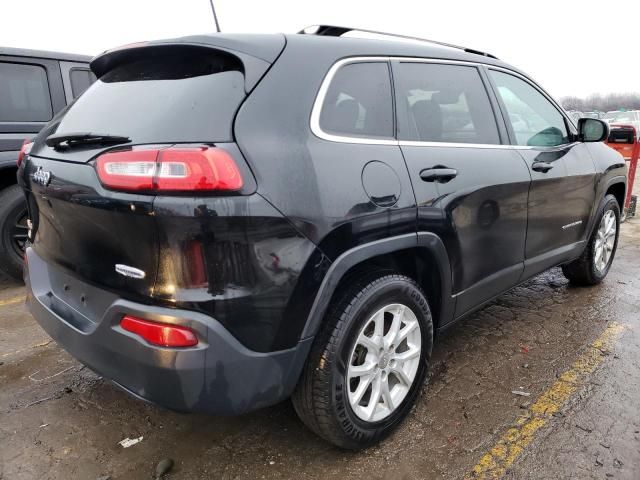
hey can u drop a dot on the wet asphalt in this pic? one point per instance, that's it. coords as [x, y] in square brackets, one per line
[58, 420]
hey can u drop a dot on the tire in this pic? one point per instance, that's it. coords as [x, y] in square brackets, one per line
[323, 396]
[13, 212]
[590, 268]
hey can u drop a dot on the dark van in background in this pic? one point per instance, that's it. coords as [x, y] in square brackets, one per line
[34, 86]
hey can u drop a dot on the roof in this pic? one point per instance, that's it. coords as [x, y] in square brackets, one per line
[268, 46]
[23, 52]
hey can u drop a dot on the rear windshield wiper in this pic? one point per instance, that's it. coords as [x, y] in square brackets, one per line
[68, 140]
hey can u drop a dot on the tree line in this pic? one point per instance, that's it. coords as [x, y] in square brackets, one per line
[602, 103]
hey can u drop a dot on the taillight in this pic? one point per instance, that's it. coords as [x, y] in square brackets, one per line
[24, 150]
[170, 170]
[161, 334]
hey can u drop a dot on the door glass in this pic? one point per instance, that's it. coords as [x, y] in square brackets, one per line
[24, 93]
[358, 102]
[536, 122]
[444, 103]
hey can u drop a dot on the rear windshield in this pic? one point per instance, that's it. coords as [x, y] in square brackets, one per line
[186, 96]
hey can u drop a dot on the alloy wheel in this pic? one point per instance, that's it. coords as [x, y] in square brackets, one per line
[605, 241]
[384, 362]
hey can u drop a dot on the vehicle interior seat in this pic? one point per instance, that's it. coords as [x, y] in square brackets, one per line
[343, 116]
[428, 119]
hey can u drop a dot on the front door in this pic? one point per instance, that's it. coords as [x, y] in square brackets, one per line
[562, 171]
[471, 188]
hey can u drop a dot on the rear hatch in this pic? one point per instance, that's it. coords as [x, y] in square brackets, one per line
[165, 97]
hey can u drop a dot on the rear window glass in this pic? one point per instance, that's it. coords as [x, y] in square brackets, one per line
[81, 79]
[24, 93]
[190, 95]
[358, 102]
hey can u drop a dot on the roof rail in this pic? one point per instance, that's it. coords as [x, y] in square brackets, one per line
[335, 31]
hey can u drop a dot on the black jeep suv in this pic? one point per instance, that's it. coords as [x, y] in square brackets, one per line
[224, 221]
[34, 86]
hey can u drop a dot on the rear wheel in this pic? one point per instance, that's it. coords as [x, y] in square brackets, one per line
[594, 263]
[13, 230]
[367, 366]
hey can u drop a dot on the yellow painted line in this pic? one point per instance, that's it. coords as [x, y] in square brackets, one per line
[513, 442]
[43, 344]
[11, 301]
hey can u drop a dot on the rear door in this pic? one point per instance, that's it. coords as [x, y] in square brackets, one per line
[562, 192]
[30, 95]
[471, 188]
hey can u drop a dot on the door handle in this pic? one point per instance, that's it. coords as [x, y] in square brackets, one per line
[438, 174]
[543, 167]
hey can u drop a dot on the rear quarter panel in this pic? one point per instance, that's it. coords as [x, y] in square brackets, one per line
[315, 183]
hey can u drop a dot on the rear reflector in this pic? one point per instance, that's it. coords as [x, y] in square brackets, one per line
[24, 150]
[170, 170]
[161, 334]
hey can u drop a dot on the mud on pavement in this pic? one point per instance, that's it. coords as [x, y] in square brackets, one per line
[58, 420]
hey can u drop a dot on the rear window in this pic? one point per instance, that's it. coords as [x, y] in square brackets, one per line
[358, 102]
[189, 95]
[24, 93]
[81, 79]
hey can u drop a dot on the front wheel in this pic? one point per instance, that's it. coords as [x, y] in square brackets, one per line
[368, 364]
[594, 263]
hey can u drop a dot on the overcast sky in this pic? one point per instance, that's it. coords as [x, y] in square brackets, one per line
[572, 47]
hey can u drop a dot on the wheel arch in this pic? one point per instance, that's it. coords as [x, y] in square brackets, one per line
[420, 256]
[618, 189]
[614, 186]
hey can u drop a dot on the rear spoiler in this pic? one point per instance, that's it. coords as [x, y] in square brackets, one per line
[254, 66]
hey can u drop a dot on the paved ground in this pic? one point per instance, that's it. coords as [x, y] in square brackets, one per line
[575, 351]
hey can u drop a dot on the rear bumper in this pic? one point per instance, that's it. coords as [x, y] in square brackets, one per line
[218, 376]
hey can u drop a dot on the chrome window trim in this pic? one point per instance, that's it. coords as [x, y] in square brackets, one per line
[545, 149]
[418, 143]
[322, 93]
[326, 82]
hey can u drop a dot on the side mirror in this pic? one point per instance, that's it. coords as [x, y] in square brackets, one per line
[592, 130]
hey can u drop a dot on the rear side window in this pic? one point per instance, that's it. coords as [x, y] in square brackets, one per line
[358, 102]
[536, 122]
[24, 93]
[81, 79]
[182, 95]
[444, 103]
